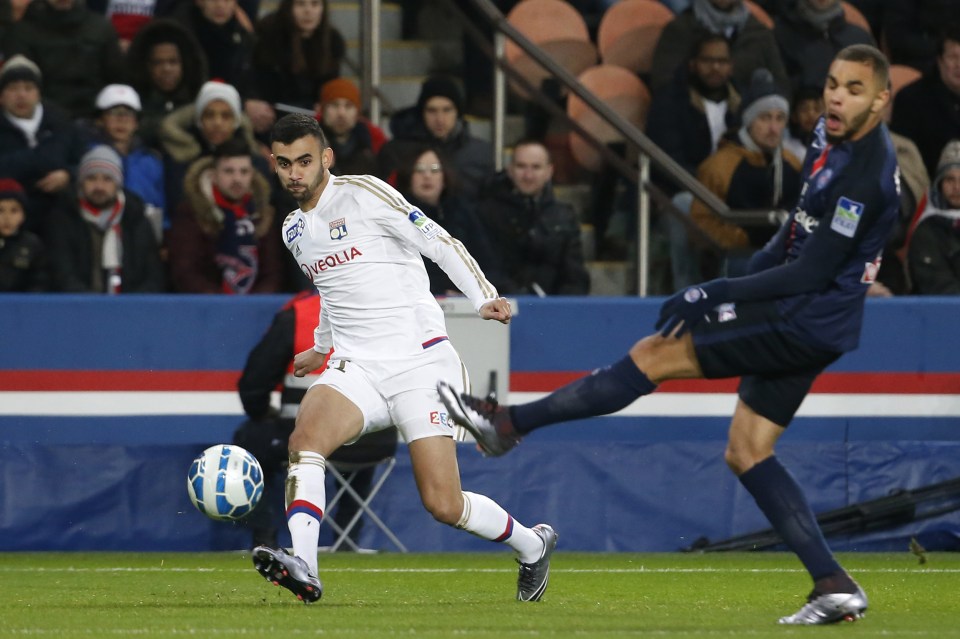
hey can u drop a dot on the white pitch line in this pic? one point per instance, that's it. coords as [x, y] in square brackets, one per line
[602, 571]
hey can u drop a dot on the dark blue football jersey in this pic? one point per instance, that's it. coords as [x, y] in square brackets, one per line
[849, 202]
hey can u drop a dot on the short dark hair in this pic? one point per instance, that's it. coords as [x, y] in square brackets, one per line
[871, 56]
[294, 126]
[707, 37]
[232, 148]
[950, 32]
[533, 142]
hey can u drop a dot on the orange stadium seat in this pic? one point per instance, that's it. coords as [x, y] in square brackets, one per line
[557, 28]
[900, 76]
[759, 13]
[854, 16]
[629, 31]
[619, 89]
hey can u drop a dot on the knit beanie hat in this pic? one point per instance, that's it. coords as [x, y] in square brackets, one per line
[10, 189]
[340, 88]
[949, 157]
[443, 87]
[761, 96]
[101, 159]
[19, 67]
[218, 90]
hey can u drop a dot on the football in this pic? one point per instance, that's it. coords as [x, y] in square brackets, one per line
[225, 482]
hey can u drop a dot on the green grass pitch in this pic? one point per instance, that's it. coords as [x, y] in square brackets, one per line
[463, 595]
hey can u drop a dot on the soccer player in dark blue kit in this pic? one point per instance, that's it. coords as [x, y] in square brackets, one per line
[799, 308]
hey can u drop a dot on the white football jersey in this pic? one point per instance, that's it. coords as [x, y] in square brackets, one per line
[361, 247]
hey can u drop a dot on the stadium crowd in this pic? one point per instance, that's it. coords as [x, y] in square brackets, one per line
[134, 157]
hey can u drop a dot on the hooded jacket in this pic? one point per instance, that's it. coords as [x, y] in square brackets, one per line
[933, 253]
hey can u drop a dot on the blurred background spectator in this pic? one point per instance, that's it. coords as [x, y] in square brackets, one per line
[220, 239]
[428, 184]
[296, 51]
[934, 247]
[77, 51]
[354, 139]
[537, 237]
[100, 240]
[23, 258]
[167, 68]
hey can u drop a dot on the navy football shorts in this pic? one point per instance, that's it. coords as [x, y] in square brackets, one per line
[750, 340]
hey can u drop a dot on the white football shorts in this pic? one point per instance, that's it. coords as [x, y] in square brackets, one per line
[401, 392]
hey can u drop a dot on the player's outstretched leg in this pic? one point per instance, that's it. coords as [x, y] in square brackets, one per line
[824, 608]
[533, 578]
[488, 421]
[286, 570]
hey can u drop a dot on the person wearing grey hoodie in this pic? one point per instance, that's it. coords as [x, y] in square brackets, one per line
[933, 253]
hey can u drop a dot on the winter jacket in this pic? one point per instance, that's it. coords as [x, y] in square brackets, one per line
[72, 251]
[228, 47]
[472, 157]
[197, 223]
[538, 240]
[753, 47]
[23, 264]
[59, 147]
[677, 123]
[744, 179]
[807, 52]
[77, 50]
[928, 113]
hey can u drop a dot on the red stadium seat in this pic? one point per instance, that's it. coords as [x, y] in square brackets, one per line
[853, 16]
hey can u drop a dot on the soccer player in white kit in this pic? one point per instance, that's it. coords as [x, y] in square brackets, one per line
[360, 243]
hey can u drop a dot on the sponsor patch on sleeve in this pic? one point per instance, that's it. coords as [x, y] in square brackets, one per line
[424, 224]
[294, 231]
[846, 217]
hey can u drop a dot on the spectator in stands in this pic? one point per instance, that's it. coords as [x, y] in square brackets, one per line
[129, 16]
[76, 50]
[934, 248]
[687, 119]
[928, 110]
[101, 241]
[220, 239]
[39, 145]
[266, 430]
[751, 43]
[437, 120]
[810, 33]
[226, 42]
[296, 51]
[118, 108]
[355, 140]
[428, 184]
[912, 30]
[750, 170]
[23, 258]
[196, 130]
[167, 67]
[806, 109]
[536, 236]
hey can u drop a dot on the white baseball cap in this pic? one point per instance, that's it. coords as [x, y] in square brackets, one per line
[118, 95]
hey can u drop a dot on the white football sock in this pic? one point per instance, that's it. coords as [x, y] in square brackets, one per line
[485, 518]
[306, 497]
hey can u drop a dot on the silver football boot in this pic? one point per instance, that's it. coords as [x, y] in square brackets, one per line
[533, 578]
[830, 608]
[488, 421]
[289, 571]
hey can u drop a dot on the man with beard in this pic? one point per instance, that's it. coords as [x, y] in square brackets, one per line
[687, 120]
[101, 241]
[355, 140]
[361, 244]
[799, 308]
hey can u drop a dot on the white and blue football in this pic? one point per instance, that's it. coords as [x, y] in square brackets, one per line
[225, 482]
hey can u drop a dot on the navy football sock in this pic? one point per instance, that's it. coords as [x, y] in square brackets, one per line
[779, 497]
[605, 390]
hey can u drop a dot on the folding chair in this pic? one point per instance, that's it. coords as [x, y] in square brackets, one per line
[370, 451]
